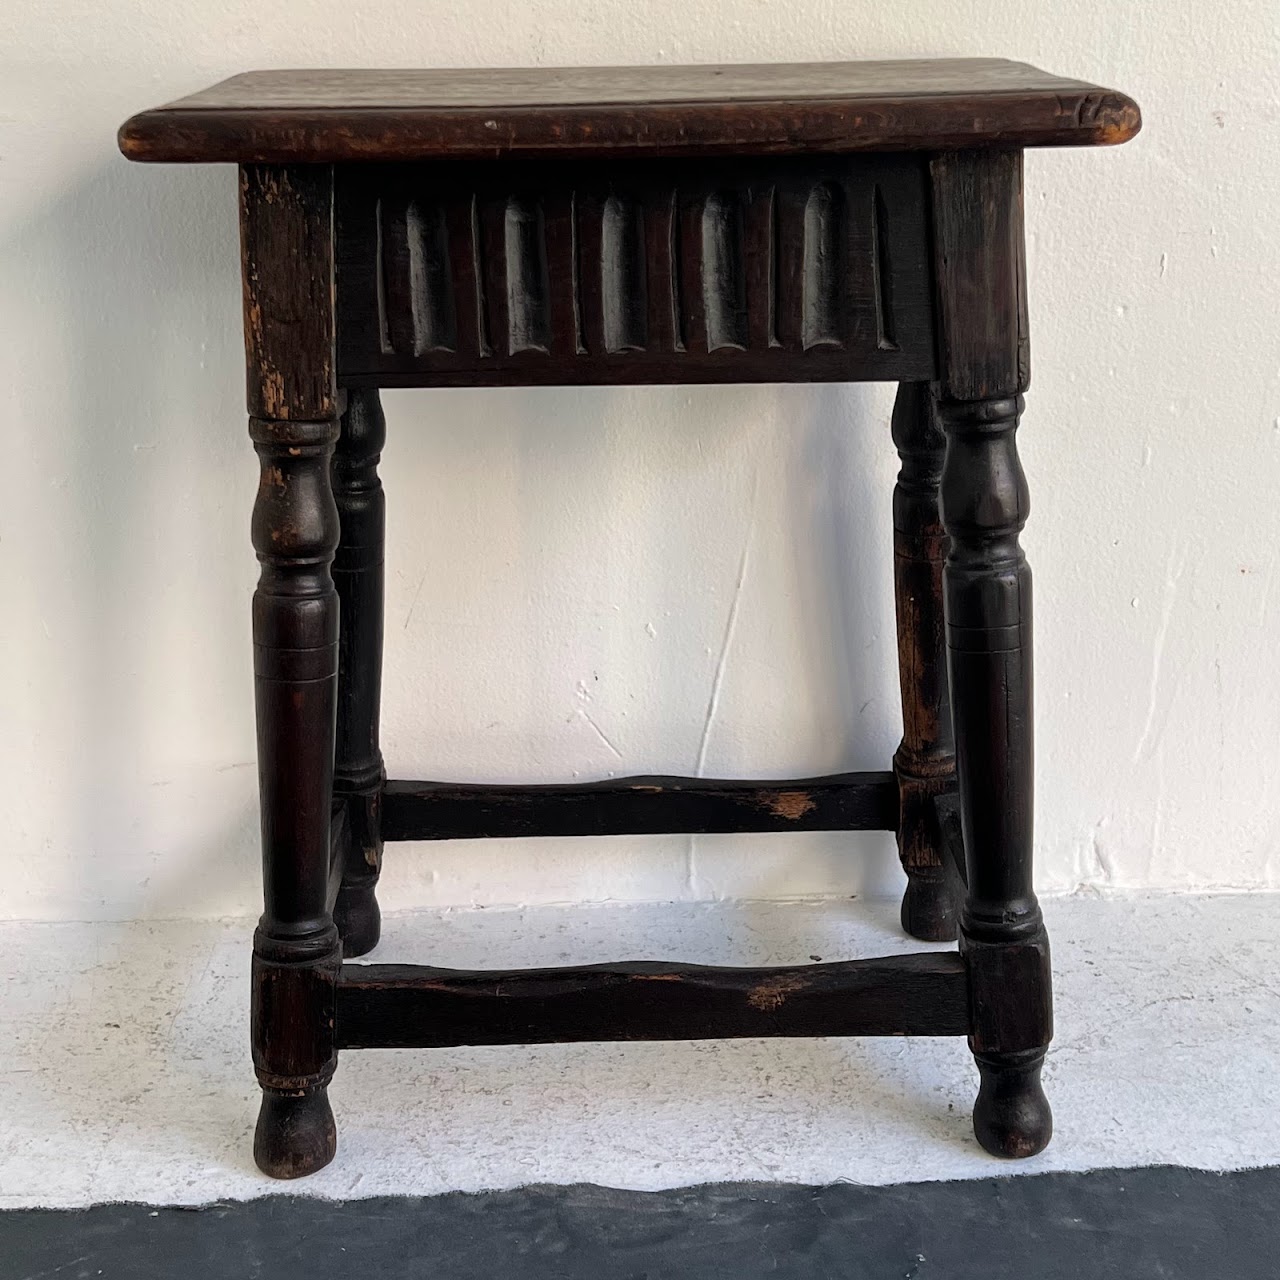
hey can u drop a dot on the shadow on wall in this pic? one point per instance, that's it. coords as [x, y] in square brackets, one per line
[139, 713]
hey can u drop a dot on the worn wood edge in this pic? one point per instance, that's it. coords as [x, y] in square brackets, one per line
[414, 1006]
[172, 135]
[287, 249]
[635, 806]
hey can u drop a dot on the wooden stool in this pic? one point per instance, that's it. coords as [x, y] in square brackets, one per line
[831, 222]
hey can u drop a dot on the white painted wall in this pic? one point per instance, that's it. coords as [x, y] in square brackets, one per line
[586, 582]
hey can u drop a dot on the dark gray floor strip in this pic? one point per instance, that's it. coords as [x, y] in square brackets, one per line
[1165, 1223]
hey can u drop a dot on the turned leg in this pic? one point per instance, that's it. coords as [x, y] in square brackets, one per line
[358, 576]
[286, 220]
[988, 596]
[987, 589]
[295, 950]
[925, 762]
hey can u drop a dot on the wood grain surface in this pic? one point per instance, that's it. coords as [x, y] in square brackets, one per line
[335, 115]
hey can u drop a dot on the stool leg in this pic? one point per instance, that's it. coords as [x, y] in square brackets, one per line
[358, 576]
[295, 949]
[286, 223]
[988, 594]
[987, 589]
[925, 762]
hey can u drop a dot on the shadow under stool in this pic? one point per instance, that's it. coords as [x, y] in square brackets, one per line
[812, 223]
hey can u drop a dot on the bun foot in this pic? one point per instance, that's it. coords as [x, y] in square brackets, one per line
[296, 1135]
[931, 908]
[1011, 1117]
[359, 919]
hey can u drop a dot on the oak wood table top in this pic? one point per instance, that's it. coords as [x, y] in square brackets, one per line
[336, 116]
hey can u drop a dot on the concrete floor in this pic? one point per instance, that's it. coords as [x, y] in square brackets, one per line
[124, 1066]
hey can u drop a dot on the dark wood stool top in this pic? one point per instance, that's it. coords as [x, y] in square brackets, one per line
[284, 117]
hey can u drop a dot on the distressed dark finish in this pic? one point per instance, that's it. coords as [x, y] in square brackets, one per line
[286, 220]
[288, 269]
[630, 226]
[925, 762]
[982, 343]
[287, 117]
[357, 575]
[639, 806]
[412, 1006]
[776, 270]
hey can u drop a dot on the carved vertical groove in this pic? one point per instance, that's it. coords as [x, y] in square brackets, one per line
[435, 324]
[482, 300]
[817, 270]
[623, 288]
[789, 265]
[724, 272]
[395, 277]
[677, 273]
[380, 280]
[882, 272]
[528, 285]
[823, 278]
[575, 273]
[775, 266]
